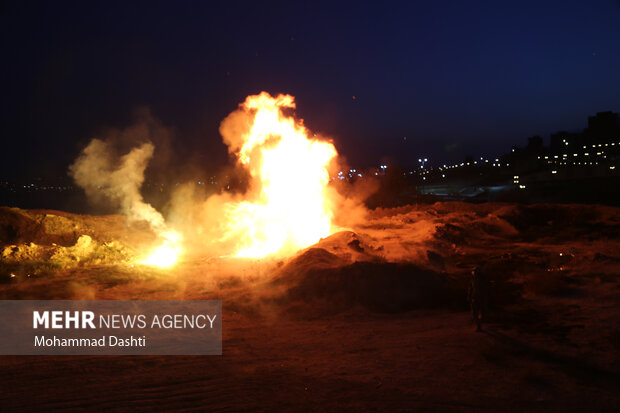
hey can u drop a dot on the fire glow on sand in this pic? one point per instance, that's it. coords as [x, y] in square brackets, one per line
[167, 254]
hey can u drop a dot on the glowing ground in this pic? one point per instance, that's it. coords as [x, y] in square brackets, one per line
[370, 319]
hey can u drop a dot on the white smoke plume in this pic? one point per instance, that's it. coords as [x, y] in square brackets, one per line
[101, 175]
[111, 168]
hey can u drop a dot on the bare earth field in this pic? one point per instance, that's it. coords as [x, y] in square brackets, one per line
[371, 319]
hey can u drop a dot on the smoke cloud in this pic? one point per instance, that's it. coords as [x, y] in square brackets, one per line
[111, 169]
[103, 177]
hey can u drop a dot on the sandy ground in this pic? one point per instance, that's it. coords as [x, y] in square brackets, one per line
[372, 319]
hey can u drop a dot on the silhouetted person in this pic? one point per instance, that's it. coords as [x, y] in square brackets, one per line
[478, 296]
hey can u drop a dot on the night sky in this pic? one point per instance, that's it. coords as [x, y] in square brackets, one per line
[454, 78]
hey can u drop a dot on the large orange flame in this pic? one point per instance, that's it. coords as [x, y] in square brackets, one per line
[291, 208]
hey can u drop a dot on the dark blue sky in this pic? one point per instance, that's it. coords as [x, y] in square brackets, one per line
[455, 78]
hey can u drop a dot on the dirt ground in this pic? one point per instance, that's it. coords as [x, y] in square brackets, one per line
[374, 318]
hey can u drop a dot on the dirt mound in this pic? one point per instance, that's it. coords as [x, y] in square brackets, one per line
[33, 259]
[479, 210]
[380, 287]
[350, 246]
[461, 228]
[344, 273]
[559, 221]
[47, 227]
[20, 226]
[314, 258]
[35, 242]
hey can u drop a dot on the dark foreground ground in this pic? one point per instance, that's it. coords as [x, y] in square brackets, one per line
[373, 319]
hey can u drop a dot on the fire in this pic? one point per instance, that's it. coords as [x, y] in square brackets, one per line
[291, 208]
[167, 254]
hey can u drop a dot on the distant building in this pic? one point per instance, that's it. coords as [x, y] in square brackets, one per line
[564, 141]
[534, 144]
[603, 127]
